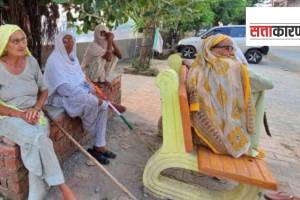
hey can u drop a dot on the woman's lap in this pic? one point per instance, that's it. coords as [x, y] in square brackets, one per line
[20, 132]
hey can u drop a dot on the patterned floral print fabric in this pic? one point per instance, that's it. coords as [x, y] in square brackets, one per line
[220, 100]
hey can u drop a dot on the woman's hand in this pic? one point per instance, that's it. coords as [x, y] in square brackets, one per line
[108, 56]
[109, 53]
[100, 101]
[116, 51]
[95, 90]
[31, 116]
[109, 36]
[187, 62]
[101, 96]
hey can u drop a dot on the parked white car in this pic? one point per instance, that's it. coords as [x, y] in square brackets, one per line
[190, 46]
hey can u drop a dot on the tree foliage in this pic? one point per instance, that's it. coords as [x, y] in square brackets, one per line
[85, 15]
[38, 17]
[230, 11]
[185, 14]
[147, 15]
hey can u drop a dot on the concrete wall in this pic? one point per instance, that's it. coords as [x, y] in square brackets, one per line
[127, 47]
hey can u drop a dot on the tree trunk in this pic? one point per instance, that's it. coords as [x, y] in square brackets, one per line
[28, 15]
[25, 14]
[34, 30]
[146, 46]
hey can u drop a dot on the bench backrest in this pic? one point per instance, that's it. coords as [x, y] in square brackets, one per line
[185, 111]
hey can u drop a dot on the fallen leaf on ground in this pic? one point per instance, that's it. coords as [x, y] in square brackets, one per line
[90, 163]
[125, 146]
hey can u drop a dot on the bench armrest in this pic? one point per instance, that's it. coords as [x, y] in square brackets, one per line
[173, 139]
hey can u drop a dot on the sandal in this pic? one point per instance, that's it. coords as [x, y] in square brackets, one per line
[279, 195]
[109, 154]
[98, 156]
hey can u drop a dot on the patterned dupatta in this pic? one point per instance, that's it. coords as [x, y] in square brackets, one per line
[220, 100]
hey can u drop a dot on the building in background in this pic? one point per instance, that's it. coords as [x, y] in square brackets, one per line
[279, 3]
[285, 3]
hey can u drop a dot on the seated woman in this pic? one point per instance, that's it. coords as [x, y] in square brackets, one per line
[22, 96]
[69, 89]
[222, 111]
[101, 56]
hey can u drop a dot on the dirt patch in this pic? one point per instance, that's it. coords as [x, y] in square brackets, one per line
[132, 149]
[288, 147]
[144, 72]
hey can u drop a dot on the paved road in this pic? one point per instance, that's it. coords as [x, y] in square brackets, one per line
[283, 108]
[287, 57]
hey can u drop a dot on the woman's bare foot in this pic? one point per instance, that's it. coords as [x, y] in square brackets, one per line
[67, 192]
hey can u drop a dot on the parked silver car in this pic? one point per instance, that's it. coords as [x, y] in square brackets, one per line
[190, 46]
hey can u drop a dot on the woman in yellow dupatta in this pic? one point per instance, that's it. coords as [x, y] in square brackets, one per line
[220, 98]
[22, 96]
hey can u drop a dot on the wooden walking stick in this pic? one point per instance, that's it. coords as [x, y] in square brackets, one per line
[92, 158]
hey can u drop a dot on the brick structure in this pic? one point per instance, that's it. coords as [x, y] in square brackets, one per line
[114, 91]
[13, 175]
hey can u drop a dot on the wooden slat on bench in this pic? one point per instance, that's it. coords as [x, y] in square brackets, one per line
[245, 169]
[185, 111]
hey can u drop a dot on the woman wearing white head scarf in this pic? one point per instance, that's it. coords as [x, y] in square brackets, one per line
[101, 55]
[69, 89]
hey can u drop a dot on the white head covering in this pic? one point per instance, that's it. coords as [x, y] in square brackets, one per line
[98, 38]
[97, 48]
[62, 68]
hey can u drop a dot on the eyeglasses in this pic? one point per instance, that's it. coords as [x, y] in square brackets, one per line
[17, 41]
[227, 47]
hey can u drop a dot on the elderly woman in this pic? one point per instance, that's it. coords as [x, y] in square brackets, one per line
[101, 56]
[69, 89]
[222, 111]
[22, 96]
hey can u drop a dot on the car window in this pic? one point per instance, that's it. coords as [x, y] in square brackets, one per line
[223, 30]
[237, 32]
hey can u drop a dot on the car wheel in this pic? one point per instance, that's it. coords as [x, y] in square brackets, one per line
[253, 56]
[188, 52]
